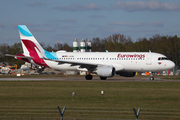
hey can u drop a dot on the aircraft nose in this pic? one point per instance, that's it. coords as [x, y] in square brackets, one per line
[171, 65]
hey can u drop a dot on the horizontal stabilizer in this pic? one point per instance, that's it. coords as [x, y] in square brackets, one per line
[17, 56]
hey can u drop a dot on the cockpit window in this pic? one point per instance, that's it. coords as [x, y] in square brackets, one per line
[162, 58]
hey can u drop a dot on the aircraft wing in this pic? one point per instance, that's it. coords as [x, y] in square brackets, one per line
[89, 66]
[72, 62]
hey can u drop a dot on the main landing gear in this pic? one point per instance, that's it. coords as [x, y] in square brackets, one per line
[88, 77]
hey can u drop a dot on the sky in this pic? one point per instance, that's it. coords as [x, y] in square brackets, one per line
[61, 21]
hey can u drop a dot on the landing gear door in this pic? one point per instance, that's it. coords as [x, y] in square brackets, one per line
[149, 59]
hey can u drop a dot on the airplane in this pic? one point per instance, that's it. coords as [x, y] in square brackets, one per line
[104, 64]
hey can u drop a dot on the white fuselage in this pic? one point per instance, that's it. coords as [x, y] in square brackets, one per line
[121, 61]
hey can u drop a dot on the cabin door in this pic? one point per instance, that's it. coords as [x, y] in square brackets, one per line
[149, 59]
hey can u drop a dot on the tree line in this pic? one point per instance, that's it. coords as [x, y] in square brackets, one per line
[167, 45]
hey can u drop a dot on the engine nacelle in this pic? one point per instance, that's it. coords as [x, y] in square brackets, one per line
[106, 71]
[126, 74]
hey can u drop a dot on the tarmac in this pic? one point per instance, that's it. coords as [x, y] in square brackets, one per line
[95, 78]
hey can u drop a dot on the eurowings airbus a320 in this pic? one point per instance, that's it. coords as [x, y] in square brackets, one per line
[104, 64]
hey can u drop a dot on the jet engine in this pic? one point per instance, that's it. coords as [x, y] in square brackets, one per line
[105, 71]
[126, 74]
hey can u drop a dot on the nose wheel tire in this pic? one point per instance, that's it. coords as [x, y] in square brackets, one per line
[151, 78]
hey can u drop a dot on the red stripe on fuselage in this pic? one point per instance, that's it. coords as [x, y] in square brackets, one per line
[31, 48]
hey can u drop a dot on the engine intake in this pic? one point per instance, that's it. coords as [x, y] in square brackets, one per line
[106, 71]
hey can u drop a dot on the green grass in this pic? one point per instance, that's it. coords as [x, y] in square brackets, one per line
[147, 95]
[119, 94]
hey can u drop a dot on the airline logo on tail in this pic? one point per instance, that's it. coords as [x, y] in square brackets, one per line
[31, 47]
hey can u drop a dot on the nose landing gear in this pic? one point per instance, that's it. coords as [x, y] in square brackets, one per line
[151, 76]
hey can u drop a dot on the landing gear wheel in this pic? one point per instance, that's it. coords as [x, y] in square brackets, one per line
[103, 78]
[88, 77]
[151, 78]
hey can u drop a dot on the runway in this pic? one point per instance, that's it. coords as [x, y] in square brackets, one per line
[95, 78]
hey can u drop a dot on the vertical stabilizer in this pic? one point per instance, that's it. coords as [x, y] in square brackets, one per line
[30, 45]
